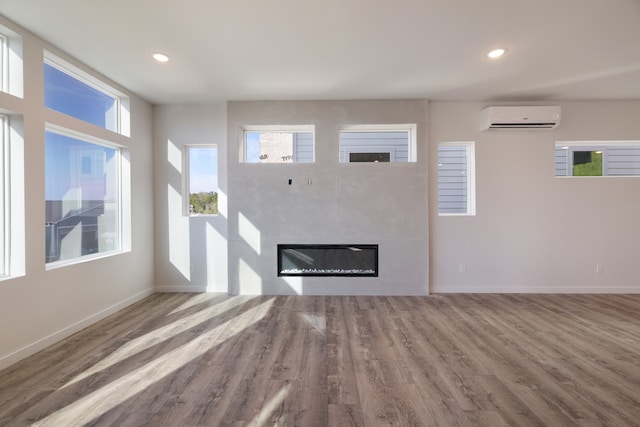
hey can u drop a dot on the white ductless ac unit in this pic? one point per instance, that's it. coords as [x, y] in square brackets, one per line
[520, 117]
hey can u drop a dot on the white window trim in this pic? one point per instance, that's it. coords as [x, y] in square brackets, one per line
[411, 128]
[11, 75]
[124, 199]
[5, 219]
[271, 128]
[471, 177]
[122, 125]
[13, 182]
[4, 63]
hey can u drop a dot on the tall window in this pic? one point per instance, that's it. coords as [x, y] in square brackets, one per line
[597, 158]
[276, 144]
[4, 192]
[4, 63]
[82, 197]
[202, 179]
[11, 75]
[456, 178]
[378, 144]
[84, 175]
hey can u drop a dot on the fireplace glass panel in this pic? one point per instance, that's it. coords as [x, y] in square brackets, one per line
[328, 260]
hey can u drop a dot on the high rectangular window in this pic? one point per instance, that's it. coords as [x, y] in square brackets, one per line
[82, 197]
[73, 92]
[202, 179]
[70, 95]
[377, 144]
[277, 144]
[597, 158]
[456, 178]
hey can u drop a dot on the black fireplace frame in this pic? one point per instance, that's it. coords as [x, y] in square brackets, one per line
[369, 247]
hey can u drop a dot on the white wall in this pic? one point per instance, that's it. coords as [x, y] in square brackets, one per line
[534, 232]
[40, 307]
[191, 252]
[346, 203]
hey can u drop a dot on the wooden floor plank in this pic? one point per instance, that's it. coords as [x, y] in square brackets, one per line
[443, 360]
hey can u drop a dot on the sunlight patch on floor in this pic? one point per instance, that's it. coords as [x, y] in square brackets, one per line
[144, 342]
[99, 402]
[262, 418]
[317, 322]
[196, 299]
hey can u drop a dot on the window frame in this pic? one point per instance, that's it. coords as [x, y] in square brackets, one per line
[121, 101]
[247, 129]
[186, 182]
[4, 62]
[410, 128]
[471, 177]
[11, 63]
[122, 244]
[604, 145]
[5, 194]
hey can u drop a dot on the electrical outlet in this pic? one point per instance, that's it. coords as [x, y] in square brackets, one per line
[599, 269]
[463, 268]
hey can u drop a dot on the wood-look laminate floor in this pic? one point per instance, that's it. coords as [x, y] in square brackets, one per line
[443, 360]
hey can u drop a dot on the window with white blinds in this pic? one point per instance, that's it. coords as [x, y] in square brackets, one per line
[456, 176]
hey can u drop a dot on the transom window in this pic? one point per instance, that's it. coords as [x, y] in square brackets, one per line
[82, 196]
[278, 144]
[597, 158]
[70, 91]
[456, 178]
[378, 143]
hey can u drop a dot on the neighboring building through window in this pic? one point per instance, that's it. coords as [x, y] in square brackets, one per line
[377, 144]
[276, 144]
[456, 178]
[82, 197]
[597, 158]
[202, 179]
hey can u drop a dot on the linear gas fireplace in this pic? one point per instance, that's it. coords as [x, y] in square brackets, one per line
[328, 260]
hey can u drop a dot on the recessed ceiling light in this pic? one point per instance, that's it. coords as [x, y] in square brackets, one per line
[160, 57]
[496, 53]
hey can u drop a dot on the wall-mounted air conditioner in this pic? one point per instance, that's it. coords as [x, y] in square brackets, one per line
[520, 117]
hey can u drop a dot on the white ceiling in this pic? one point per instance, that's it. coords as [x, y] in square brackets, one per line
[349, 49]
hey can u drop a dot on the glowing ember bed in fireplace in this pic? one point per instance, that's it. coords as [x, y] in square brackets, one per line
[328, 260]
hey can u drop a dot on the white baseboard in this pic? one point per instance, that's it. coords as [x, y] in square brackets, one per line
[41, 344]
[174, 289]
[531, 290]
